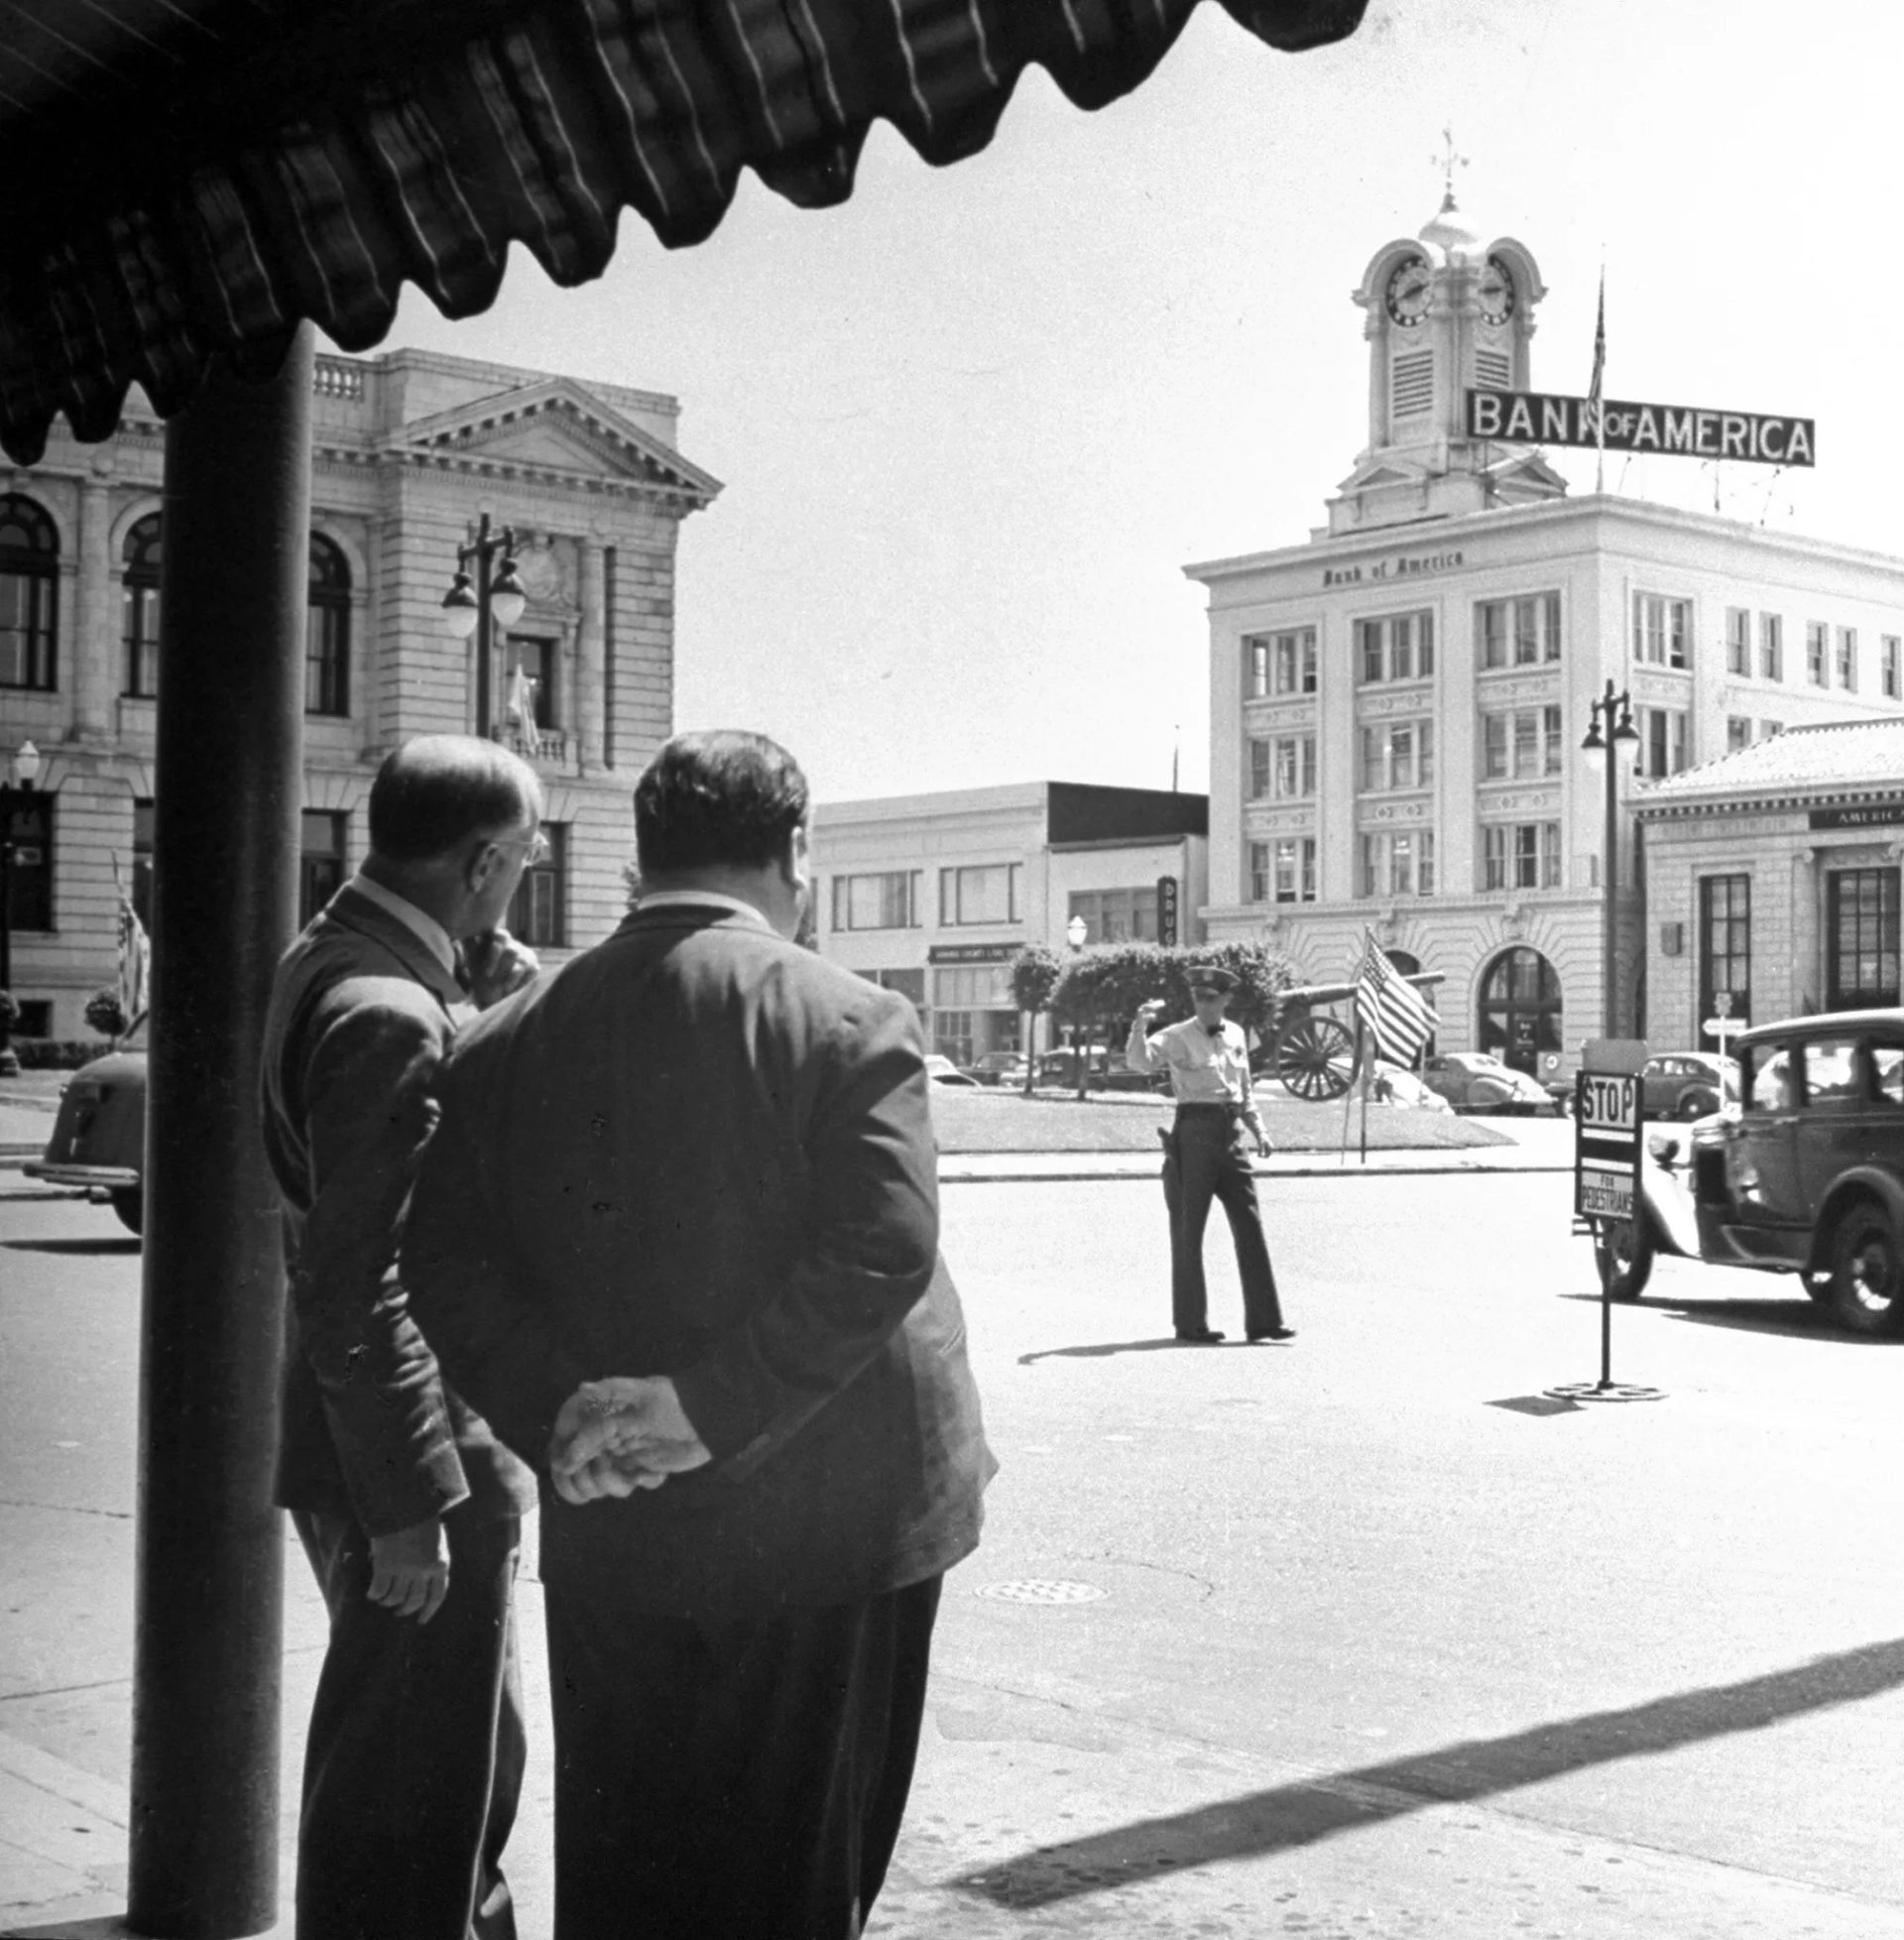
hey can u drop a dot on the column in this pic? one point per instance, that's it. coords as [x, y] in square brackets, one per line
[94, 610]
[591, 673]
[207, 1650]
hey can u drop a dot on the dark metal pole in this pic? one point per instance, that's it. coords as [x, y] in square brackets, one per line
[1609, 994]
[208, 1642]
[6, 924]
[484, 635]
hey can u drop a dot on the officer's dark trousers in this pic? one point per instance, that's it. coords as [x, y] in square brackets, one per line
[1205, 1157]
[730, 1777]
[415, 1762]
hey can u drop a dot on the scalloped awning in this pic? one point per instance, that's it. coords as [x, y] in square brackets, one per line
[208, 173]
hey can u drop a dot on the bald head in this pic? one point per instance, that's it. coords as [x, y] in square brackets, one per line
[436, 793]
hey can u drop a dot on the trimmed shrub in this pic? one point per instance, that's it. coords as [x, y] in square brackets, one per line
[58, 1054]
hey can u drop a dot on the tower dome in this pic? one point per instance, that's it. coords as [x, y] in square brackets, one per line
[1450, 237]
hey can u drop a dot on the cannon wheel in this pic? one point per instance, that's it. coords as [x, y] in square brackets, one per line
[1315, 1057]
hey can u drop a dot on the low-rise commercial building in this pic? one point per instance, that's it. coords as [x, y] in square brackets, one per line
[934, 895]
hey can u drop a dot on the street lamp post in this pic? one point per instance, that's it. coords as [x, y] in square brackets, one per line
[18, 791]
[1615, 708]
[497, 599]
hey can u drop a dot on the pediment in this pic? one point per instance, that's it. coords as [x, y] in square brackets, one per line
[556, 425]
[1372, 476]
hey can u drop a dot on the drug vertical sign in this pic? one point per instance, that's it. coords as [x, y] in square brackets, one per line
[1606, 1146]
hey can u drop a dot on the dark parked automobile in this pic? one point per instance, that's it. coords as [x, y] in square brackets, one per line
[1807, 1177]
[1687, 1085]
[998, 1067]
[98, 1141]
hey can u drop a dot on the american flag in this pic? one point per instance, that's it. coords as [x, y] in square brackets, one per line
[1391, 1010]
[135, 958]
[1593, 389]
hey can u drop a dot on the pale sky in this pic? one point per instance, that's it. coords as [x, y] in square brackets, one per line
[973, 425]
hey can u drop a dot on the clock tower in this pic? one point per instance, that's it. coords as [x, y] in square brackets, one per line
[1444, 310]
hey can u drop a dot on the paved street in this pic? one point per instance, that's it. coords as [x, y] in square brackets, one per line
[1357, 1636]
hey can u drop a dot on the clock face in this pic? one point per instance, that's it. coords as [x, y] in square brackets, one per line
[1407, 293]
[1496, 292]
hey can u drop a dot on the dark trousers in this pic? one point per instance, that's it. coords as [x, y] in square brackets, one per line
[415, 1762]
[1204, 1158]
[733, 1777]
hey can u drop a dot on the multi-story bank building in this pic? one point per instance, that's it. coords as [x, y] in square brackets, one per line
[411, 451]
[1398, 705]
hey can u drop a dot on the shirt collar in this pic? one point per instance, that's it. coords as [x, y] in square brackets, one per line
[434, 936]
[681, 899]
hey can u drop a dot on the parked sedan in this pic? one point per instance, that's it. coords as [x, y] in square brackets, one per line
[98, 1141]
[1478, 1081]
[998, 1067]
[941, 1070]
[1687, 1085]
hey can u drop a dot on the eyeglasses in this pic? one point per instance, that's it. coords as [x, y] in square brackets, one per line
[535, 848]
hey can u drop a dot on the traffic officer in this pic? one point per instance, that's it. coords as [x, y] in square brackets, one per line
[1203, 1155]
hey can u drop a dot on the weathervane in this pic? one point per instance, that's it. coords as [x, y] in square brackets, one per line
[1448, 162]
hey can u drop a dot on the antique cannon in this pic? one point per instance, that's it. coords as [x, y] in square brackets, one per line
[1313, 1053]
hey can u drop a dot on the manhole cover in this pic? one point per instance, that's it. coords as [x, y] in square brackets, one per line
[1039, 1589]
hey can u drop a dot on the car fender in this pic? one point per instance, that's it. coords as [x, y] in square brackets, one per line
[1860, 1182]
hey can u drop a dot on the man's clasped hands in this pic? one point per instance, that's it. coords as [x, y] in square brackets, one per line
[621, 1434]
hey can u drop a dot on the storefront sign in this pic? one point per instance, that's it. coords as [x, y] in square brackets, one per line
[972, 952]
[1404, 566]
[1876, 814]
[1167, 911]
[1681, 431]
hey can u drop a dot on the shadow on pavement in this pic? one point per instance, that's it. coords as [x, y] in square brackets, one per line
[1800, 1319]
[1099, 1350]
[123, 1243]
[1299, 1814]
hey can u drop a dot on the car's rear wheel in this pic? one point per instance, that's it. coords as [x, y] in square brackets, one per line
[1698, 1104]
[1623, 1253]
[130, 1204]
[1867, 1272]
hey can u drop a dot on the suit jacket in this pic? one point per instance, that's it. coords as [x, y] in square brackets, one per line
[700, 1151]
[361, 1014]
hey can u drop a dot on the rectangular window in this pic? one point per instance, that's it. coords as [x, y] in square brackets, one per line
[888, 899]
[30, 878]
[1662, 630]
[1738, 732]
[1295, 767]
[1399, 647]
[142, 862]
[1521, 746]
[538, 914]
[985, 894]
[1739, 639]
[1295, 869]
[1398, 756]
[1255, 663]
[327, 656]
[1296, 661]
[1862, 938]
[1520, 855]
[1519, 632]
[1259, 769]
[1817, 646]
[1258, 872]
[528, 678]
[1847, 661]
[1496, 730]
[1887, 666]
[1766, 729]
[1402, 864]
[320, 861]
[1117, 915]
[29, 623]
[1771, 646]
[1663, 741]
[139, 608]
[1724, 948]
[973, 987]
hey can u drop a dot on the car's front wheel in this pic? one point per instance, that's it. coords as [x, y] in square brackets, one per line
[1867, 1272]
[129, 1202]
[1624, 1252]
[1698, 1104]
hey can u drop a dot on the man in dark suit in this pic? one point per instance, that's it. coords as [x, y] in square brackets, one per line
[408, 1507]
[678, 1237]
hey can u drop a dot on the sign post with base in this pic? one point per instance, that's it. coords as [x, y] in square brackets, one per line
[1607, 1100]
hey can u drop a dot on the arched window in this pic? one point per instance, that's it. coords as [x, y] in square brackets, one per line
[139, 602]
[28, 594]
[327, 631]
[1520, 1008]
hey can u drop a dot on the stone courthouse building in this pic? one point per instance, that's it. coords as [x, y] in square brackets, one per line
[1397, 704]
[410, 448]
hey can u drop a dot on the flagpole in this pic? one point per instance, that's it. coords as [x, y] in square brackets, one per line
[1600, 399]
[1362, 1063]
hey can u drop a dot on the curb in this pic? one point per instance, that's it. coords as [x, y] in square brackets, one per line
[1320, 1168]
